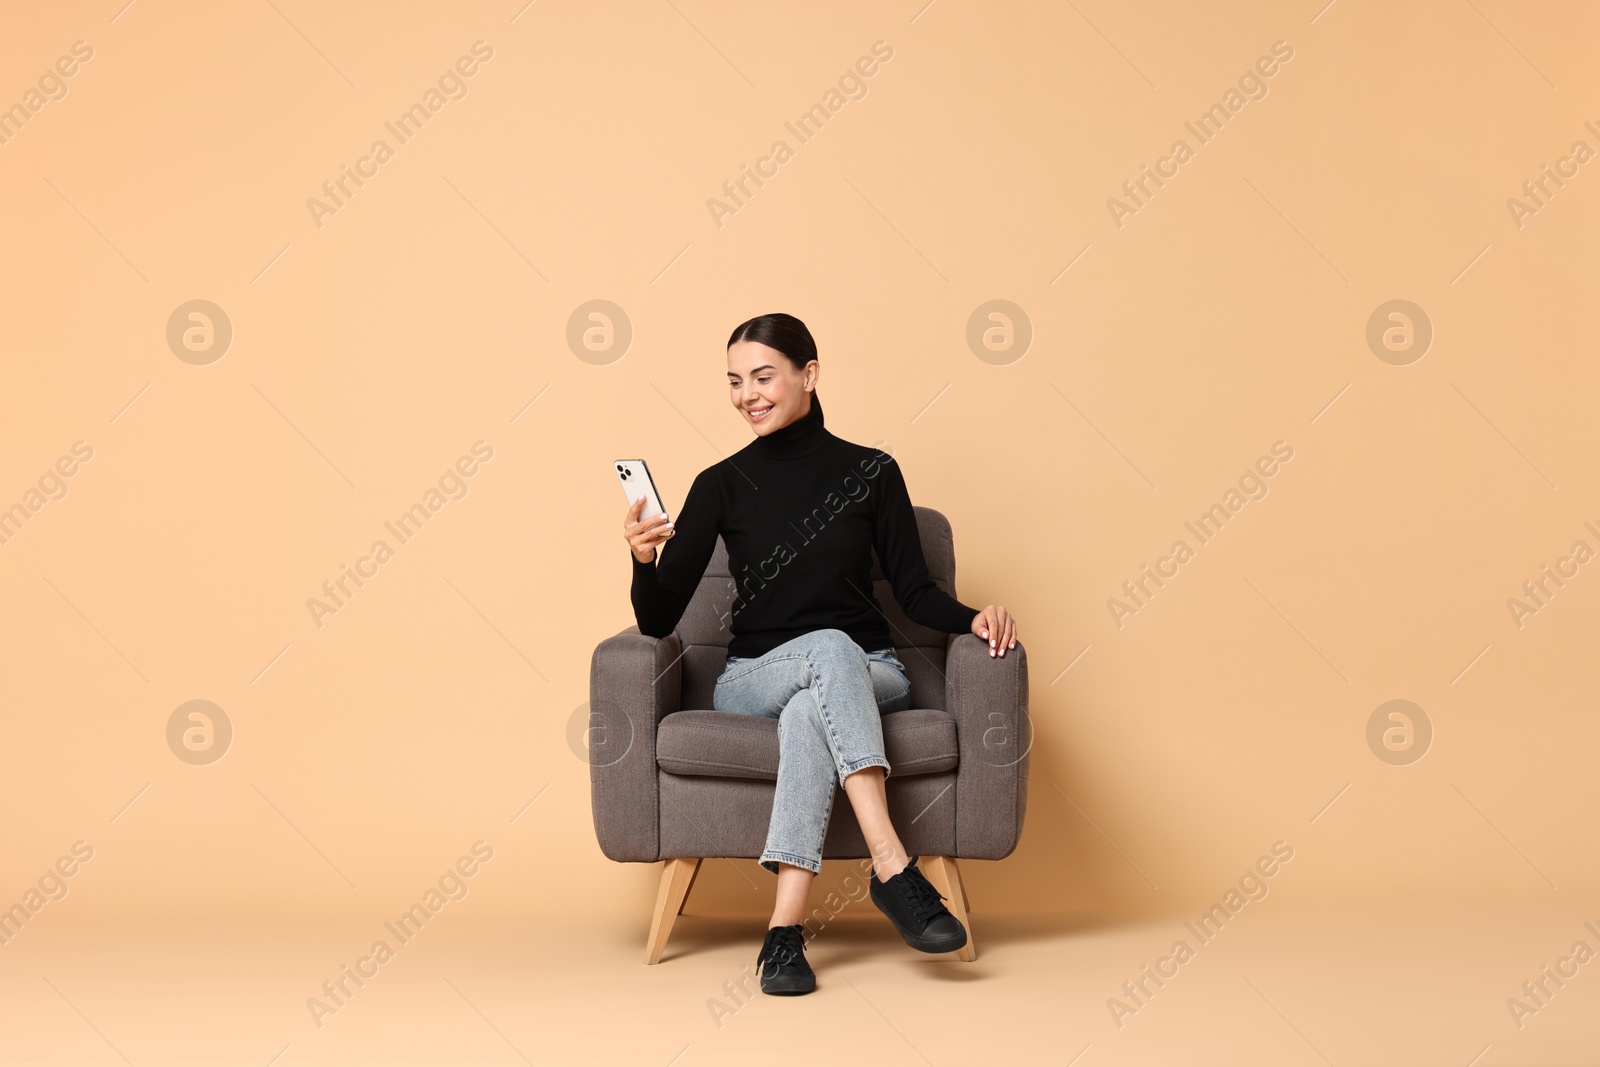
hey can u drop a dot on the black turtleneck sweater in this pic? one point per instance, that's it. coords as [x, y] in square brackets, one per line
[800, 511]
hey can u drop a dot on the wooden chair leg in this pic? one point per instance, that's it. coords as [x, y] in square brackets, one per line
[945, 875]
[692, 876]
[676, 877]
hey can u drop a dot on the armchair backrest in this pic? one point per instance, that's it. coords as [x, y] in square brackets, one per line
[705, 635]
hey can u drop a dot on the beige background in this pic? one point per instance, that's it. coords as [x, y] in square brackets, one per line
[431, 312]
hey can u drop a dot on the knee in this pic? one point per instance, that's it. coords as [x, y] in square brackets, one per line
[898, 701]
[800, 708]
[836, 642]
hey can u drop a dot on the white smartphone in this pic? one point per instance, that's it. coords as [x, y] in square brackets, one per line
[634, 475]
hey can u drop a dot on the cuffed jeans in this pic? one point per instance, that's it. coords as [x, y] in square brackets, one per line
[827, 694]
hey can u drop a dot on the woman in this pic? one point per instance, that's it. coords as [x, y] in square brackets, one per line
[800, 511]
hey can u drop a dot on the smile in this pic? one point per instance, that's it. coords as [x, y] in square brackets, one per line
[758, 415]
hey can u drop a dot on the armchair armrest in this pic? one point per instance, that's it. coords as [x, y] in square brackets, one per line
[988, 698]
[634, 681]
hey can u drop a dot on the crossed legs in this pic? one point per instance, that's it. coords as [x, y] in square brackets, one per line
[865, 790]
[829, 696]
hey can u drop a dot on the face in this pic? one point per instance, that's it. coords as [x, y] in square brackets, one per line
[765, 387]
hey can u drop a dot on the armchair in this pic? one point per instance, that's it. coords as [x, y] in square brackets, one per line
[673, 780]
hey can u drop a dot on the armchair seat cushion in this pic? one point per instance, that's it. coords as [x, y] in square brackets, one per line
[726, 744]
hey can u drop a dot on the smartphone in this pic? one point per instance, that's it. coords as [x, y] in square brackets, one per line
[634, 475]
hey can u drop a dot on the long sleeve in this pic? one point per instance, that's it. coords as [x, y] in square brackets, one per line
[899, 548]
[662, 589]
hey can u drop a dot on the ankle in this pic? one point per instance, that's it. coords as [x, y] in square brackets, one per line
[890, 866]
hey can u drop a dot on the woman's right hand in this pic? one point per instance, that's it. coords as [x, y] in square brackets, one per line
[644, 535]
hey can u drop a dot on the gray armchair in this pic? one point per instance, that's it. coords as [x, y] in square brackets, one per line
[673, 780]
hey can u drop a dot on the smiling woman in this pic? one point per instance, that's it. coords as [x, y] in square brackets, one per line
[801, 513]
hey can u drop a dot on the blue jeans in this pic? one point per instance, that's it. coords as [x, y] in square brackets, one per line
[827, 694]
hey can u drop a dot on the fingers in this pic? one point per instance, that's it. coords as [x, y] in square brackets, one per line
[995, 624]
[657, 529]
[1008, 629]
[631, 519]
[645, 533]
[628, 520]
[643, 525]
[629, 523]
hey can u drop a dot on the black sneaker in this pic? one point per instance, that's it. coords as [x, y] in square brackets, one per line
[916, 909]
[782, 962]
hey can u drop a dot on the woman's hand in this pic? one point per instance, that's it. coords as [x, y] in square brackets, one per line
[996, 625]
[644, 535]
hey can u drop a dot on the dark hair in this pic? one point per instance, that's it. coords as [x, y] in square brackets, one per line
[785, 333]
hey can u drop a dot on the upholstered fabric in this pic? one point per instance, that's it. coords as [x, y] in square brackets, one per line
[720, 745]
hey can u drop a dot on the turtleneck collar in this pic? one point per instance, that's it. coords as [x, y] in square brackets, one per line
[799, 438]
